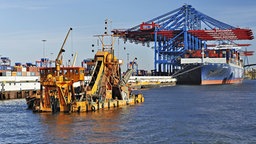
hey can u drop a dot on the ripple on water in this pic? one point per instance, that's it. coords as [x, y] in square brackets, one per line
[180, 114]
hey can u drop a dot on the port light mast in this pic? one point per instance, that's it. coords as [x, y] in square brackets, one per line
[178, 31]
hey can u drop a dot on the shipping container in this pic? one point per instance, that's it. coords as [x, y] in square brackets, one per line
[24, 73]
[18, 64]
[9, 68]
[32, 69]
[14, 73]
[24, 69]
[4, 67]
[18, 68]
[7, 73]
[37, 73]
[19, 73]
[28, 74]
[33, 73]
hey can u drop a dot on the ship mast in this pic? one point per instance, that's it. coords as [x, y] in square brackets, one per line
[107, 40]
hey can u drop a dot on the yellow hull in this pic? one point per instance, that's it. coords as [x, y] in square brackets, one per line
[85, 106]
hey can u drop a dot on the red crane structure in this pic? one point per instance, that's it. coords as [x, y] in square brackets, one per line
[180, 30]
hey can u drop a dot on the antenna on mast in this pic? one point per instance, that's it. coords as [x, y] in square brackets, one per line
[107, 40]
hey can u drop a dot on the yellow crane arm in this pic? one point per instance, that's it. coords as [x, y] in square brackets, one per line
[58, 59]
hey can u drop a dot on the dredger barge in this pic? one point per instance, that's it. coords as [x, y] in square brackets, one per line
[106, 89]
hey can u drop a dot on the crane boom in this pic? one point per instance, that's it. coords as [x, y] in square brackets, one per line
[58, 61]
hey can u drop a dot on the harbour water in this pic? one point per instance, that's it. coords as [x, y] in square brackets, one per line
[181, 114]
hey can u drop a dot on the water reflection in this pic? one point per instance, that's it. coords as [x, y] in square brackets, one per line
[102, 126]
[180, 114]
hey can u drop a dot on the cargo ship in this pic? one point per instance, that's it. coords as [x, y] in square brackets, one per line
[217, 65]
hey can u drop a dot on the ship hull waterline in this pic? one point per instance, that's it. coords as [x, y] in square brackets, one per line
[210, 74]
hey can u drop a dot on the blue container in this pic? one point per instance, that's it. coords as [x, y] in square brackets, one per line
[19, 73]
[4, 67]
[18, 64]
[10, 68]
[32, 73]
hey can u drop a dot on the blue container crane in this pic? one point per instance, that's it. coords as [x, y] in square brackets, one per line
[178, 31]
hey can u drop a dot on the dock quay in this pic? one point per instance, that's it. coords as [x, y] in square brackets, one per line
[250, 74]
[13, 87]
[142, 82]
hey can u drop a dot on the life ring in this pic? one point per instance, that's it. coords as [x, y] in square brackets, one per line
[93, 108]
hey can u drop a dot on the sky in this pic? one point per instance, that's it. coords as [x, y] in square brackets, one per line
[25, 23]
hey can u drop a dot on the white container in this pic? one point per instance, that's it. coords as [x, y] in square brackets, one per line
[7, 73]
[28, 73]
[24, 69]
